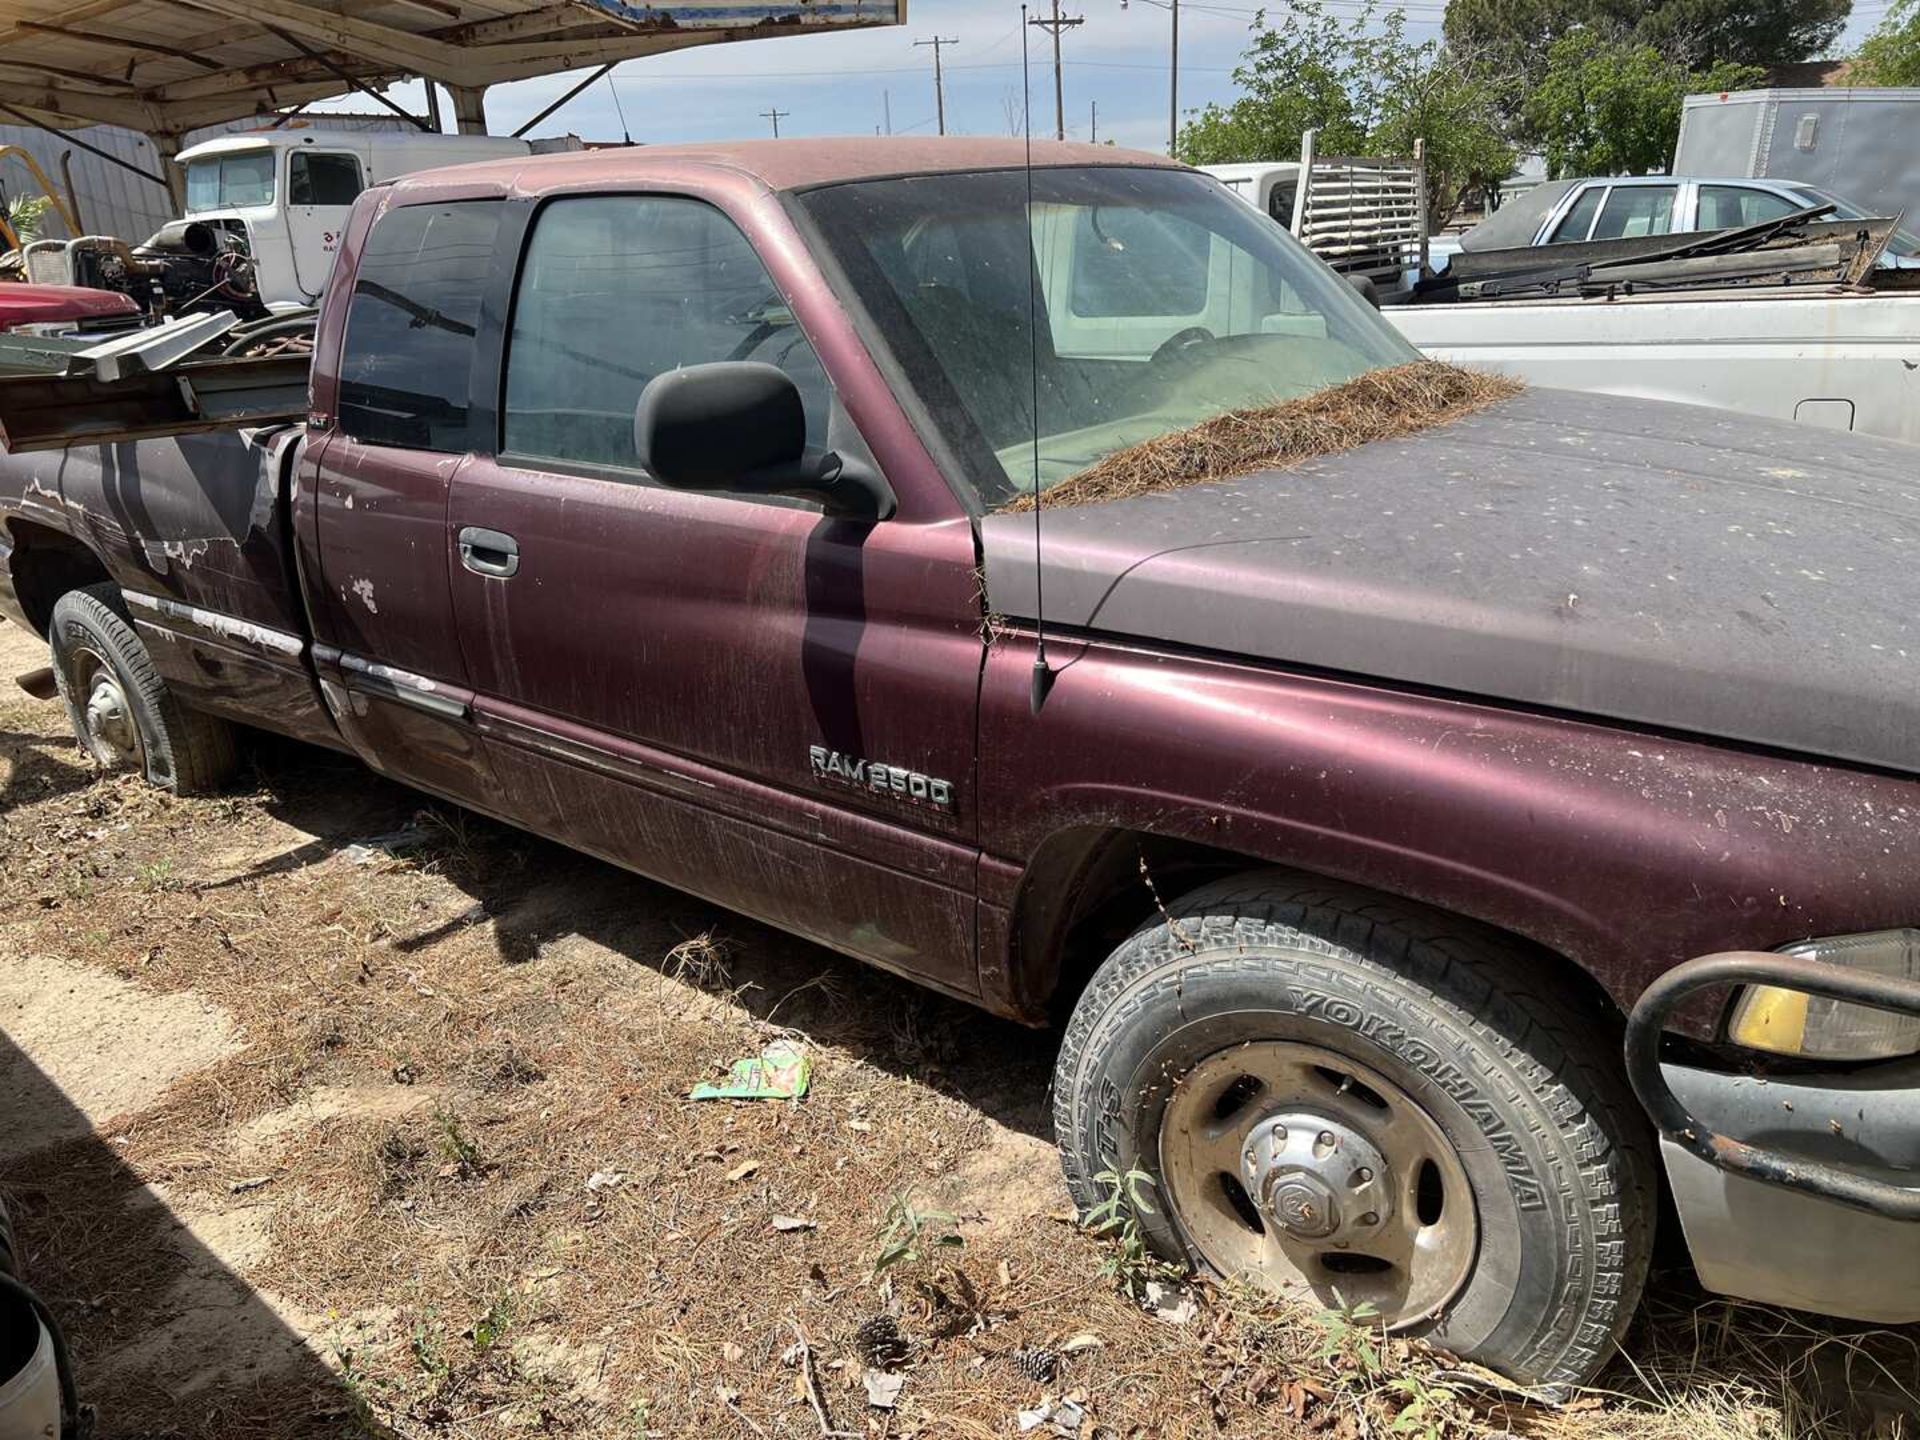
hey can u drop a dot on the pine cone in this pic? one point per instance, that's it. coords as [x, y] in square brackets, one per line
[1037, 1363]
[880, 1343]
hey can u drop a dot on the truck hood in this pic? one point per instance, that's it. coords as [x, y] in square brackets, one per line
[1666, 565]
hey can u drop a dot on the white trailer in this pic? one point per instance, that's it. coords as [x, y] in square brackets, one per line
[1859, 143]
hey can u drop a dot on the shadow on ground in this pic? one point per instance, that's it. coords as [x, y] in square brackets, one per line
[133, 1285]
[536, 893]
[159, 1327]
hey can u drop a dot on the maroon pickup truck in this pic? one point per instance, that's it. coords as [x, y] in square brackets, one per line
[1430, 850]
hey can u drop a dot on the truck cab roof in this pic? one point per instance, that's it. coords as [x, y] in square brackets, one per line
[777, 165]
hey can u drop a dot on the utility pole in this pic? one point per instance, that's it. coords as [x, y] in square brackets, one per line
[776, 116]
[939, 83]
[886, 106]
[1173, 86]
[1054, 26]
[1093, 129]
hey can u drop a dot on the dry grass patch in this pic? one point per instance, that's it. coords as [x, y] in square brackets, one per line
[1378, 405]
[490, 1210]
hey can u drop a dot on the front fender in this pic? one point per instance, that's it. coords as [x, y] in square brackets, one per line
[1624, 851]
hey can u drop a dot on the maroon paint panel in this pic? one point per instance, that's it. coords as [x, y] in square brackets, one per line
[880, 893]
[726, 631]
[1626, 852]
[247, 683]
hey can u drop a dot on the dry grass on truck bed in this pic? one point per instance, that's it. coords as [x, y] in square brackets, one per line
[1379, 405]
[392, 1141]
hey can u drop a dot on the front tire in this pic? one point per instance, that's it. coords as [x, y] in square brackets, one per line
[121, 710]
[1363, 1103]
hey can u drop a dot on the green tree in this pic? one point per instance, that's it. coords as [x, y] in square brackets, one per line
[1516, 37]
[1295, 77]
[1891, 54]
[1611, 106]
[1704, 33]
[1368, 89]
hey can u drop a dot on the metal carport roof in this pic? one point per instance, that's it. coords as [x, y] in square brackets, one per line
[167, 66]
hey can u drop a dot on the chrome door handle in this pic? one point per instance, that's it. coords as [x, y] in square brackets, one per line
[489, 552]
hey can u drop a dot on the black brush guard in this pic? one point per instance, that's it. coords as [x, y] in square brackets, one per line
[1771, 1167]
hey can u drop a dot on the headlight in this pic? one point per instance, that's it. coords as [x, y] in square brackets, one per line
[1791, 1022]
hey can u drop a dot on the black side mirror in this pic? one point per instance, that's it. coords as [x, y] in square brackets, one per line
[739, 427]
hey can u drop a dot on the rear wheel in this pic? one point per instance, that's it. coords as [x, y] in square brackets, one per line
[1361, 1103]
[120, 708]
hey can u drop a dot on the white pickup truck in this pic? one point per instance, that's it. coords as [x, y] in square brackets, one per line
[1848, 357]
[1801, 347]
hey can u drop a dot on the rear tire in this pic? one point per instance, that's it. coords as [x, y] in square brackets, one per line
[121, 710]
[1417, 1115]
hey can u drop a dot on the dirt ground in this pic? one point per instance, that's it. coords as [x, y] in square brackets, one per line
[329, 1111]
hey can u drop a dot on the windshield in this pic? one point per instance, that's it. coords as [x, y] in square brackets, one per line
[1162, 301]
[226, 182]
[1902, 242]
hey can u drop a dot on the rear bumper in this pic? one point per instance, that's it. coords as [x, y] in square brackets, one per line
[1764, 1241]
[1800, 1190]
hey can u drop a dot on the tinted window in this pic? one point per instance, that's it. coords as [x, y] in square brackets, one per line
[618, 289]
[410, 328]
[1125, 256]
[1635, 210]
[322, 179]
[1726, 207]
[1579, 219]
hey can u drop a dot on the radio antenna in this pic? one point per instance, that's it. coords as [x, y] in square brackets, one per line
[1042, 675]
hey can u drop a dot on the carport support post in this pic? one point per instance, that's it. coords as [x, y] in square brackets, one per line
[165, 147]
[469, 108]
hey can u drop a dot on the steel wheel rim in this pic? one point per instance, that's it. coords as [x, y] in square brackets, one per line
[1349, 1193]
[111, 733]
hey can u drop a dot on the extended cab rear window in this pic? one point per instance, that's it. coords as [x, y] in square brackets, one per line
[407, 361]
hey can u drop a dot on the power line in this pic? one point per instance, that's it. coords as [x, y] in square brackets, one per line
[1056, 25]
[939, 81]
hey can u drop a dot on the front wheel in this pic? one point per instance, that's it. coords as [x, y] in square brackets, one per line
[1367, 1105]
[121, 710]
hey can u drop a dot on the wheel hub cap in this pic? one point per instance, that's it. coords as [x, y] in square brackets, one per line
[1316, 1178]
[109, 721]
[1298, 1168]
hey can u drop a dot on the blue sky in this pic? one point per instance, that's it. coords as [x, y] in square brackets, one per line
[843, 84]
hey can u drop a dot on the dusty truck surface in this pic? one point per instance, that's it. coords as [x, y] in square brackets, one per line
[1430, 848]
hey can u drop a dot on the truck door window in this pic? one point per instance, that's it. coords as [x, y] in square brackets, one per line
[1727, 207]
[411, 325]
[618, 289]
[1635, 210]
[322, 179]
[1575, 224]
[1280, 202]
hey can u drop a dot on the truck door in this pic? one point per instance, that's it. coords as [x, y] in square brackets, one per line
[374, 495]
[740, 697]
[321, 188]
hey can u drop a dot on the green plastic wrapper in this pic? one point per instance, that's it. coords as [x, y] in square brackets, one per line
[779, 1072]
